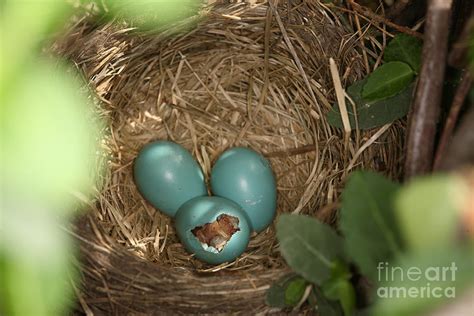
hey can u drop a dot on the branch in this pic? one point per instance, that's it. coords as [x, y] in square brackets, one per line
[458, 101]
[458, 56]
[397, 8]
[426, 105]
[368, 13]
[461, 149]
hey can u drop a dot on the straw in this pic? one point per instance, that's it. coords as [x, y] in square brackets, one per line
[253, 76]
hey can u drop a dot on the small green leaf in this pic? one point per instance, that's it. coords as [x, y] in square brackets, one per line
[323, 305]
[295, 291]
[340, 270]
[368, 221]
[308, 246]
[276, 294]
[387, 80]
[405, 48]
[372, 114]
[428, 213]
[340, 289]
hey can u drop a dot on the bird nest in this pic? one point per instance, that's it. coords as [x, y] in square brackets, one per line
[255, 76]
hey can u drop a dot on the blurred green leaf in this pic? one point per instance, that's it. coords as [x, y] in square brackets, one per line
[428, 211]
[24, 26]
[308, 246]
[423, 281]
[48, 142]
[387, 81]
[372, 114]
[48, 137]
[367, 221]
[276, 294]
[367, 311]
[340, 270]
[294, 291]
[340, 289]
[405, 48]
[153, 14]
[324, 306]
[35, 261]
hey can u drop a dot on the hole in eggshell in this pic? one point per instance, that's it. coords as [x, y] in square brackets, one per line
[217, 233]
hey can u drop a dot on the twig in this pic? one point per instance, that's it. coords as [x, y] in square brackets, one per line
[462, 12]
[364, 11]
[461, 149]
[458, 101]
[397, 8]
[458, 55]
[426, 105]
[363, 17]
[361, 39]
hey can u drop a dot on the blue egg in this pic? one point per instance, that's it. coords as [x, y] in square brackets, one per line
[245, 177]
[167, 175]
[214, 229]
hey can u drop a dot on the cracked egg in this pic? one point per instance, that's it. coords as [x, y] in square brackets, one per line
[214, 229]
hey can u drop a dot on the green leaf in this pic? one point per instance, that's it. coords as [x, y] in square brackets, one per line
[367, 311]
[35, 262]
[372, 114]
[368, 221]
[308, 246]
[323, 305]
[340, 270]
[405, 48]
[422, 281]
[387, 81]
[276, 294]
[340, 289]
[24, 27]
[295, 291]
[57, 153]
[428, 211]
[152, 15]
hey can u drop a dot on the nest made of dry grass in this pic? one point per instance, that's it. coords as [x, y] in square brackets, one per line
[255, 76]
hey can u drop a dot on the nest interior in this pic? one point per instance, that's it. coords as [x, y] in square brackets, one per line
[255, 76]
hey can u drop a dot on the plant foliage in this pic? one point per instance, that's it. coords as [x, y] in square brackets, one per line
[368, 221]
[405, 48]
[308, 246]
[371, 114]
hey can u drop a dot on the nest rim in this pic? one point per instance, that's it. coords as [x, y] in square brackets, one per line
[108, 254]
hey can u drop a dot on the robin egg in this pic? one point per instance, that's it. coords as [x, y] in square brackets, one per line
[167, 175]
[245, 177]
[214, 229]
